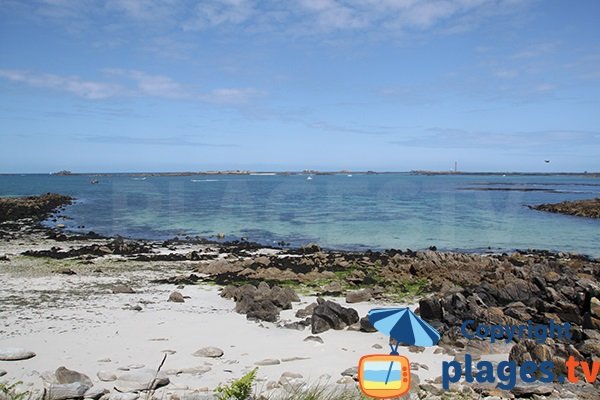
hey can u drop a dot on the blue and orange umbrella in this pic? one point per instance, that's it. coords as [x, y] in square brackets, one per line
[404, 326]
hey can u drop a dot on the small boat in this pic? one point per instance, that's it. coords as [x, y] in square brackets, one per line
[94, 181]
[349, 175]
[309, 178]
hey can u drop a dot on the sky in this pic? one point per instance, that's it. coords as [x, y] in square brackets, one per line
[386, 85]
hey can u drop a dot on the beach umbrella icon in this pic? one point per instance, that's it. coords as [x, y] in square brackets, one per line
[404, 326]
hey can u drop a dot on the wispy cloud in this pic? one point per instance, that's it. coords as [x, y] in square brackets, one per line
[71, 84]
[466, 139]
[153, 141]
[304, 17]
[130, 83]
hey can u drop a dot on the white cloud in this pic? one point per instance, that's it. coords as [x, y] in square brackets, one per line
[130, 83]
[72, 84]
[301, 17]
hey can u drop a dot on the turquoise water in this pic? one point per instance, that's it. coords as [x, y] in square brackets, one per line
[336, 211]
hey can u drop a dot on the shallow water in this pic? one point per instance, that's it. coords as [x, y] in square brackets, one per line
[338, 211]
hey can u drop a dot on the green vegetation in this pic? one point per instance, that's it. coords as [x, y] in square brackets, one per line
[321, 392]
[9, 392]
[411, 288]
[239, 389]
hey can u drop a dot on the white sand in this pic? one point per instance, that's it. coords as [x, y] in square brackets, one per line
[99, 331]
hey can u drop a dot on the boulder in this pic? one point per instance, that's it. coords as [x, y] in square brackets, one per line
[64, 376]
[141, 380]
[359, 296]
[330, 315]
[95, 393]
[366, 326]
[430, 309]
[66, 391]
[595, 307]
[176, 297]
[306, 311]
[262, 310]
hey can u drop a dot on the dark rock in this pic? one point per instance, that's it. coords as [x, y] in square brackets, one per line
[330, 315]
[366, 326]
[430, 309]
[176, 297]
[262, 310]
[358, 296]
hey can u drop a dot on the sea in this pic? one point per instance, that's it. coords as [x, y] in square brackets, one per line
[472, 213]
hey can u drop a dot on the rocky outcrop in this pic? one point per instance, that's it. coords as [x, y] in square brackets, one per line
[330, 315]
[36, 208]
[581, 208]
[260, 302]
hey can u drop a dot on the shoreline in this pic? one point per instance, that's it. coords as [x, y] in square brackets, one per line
[66, 292]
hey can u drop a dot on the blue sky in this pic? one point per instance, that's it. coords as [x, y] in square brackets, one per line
[127, 85]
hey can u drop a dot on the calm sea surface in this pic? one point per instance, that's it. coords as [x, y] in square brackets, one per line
[336, 211]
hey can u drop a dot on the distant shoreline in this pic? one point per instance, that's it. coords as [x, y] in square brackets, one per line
[309, 172]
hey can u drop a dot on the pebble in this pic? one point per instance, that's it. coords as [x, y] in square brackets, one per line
[15, 354]
[136, 366]
[2, 372]
[377, 346]
[106, 376]
[168, 351]
[267, 361]
[105, 360]
[212, 352]
[352, 371]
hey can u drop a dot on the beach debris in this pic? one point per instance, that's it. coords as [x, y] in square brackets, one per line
[3, 372]
[210, 352]
[15, 354]
[330, 315]
[176, 297]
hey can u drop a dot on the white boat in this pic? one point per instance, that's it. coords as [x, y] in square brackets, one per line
[349, 175]
[309, 178]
